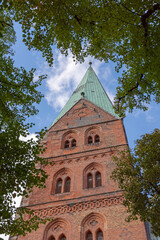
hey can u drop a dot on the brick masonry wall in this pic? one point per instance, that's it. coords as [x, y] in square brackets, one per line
[98, 208]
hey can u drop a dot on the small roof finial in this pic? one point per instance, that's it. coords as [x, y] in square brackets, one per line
[90, 63]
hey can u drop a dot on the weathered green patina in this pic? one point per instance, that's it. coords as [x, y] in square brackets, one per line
[90, 89]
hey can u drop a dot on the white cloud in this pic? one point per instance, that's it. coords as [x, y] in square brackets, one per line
[4, 237]
[149, 115]
[65, 75]
[28, 137]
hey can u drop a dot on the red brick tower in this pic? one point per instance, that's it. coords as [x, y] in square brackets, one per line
[80, 196]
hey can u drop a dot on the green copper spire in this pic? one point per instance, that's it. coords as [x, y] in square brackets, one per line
[90, 89]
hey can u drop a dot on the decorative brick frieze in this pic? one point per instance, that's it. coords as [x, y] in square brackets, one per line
[77, 207]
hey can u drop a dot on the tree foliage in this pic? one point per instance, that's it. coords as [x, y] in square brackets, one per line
[124, 31]
[138, 173]
[18, 158]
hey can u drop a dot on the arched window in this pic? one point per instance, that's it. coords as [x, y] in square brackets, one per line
[73, 144]
[93, 175]
[66, 145]
[92, 227]
[89, 236]
[51, 238]
[58, 229]
[59, 186]
[62, 237]
[96, 139]
[98, 182]
[90, 140]
[89, 180]
[67, 185]
[99, 235]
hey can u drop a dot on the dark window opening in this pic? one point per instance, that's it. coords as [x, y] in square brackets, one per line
[98, 182]
[51, 238]
[67, 185]
[62, 237]
[89, 180]
[89, 236]
[73, 143]
[97, 139]
[99, 235]
[59, 186]
[90, 140]
[66, 144]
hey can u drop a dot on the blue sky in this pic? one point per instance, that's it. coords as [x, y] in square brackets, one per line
[62, 80]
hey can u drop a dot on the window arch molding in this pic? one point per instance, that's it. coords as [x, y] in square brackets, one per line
[92, 135]
[64, 174]
[69, 139]
[94, 169]
[94, 223]
[57, 228]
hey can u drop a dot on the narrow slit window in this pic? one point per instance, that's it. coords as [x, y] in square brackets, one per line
[89, 236]
[98, 181]
[90, 140]
[99, 235]
[66, 145]
[97, 139]
[89, 180]
[67, 185]
[59, 186]
[73, 143]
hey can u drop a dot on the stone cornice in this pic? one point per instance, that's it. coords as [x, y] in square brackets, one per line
[84, 155]
[91, 124]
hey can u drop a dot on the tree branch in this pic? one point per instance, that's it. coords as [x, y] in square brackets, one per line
[79, 20]
[121, 4]
[5, 23]
[129, 91]
[155, 188]
[145, 16]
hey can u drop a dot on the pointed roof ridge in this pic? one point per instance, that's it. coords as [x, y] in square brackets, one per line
[91, 89]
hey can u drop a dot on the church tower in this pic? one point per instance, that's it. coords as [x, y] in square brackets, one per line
[80, 197]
